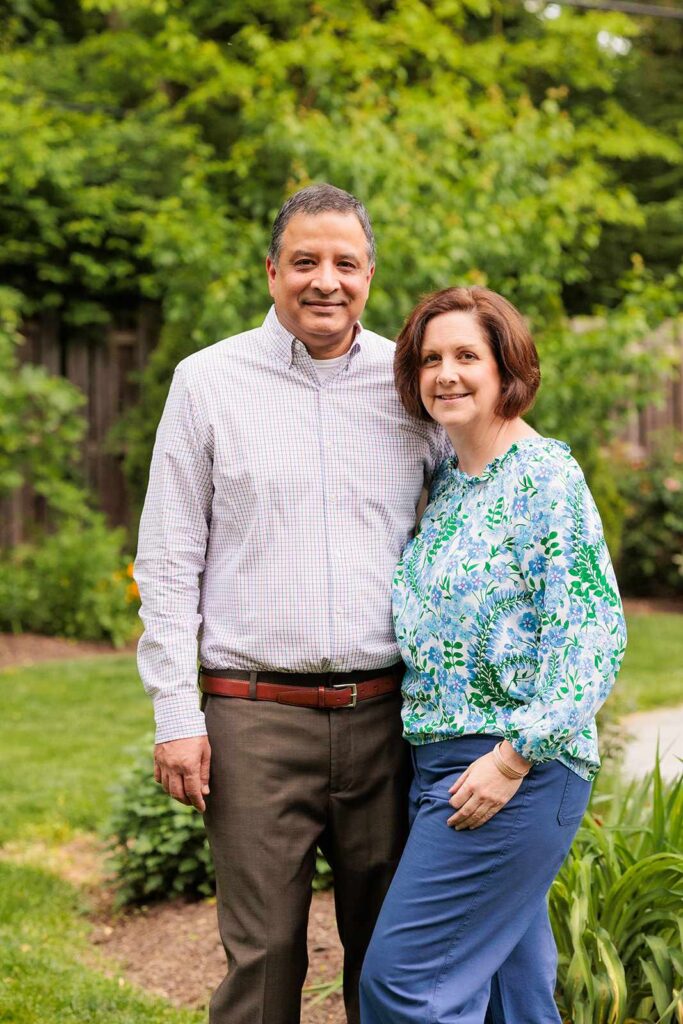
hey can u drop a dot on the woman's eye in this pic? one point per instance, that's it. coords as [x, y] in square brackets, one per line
[429, 359]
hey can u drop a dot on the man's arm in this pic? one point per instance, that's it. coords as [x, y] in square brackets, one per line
[174, 531]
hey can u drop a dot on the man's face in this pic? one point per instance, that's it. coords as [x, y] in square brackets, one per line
[321, 281]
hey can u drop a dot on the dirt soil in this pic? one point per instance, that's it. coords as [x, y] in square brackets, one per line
[173, 950]
[21, 649]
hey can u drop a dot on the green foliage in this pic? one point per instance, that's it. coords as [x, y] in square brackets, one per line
[40, 424]
[652, 553]
[615, 909]
[159, 846]
[596, 372]
[73, 583]
[489, 142]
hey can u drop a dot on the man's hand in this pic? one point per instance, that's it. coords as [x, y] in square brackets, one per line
[182, 768]
[480, 792]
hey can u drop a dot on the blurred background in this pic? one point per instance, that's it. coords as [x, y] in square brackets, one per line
[145, 147]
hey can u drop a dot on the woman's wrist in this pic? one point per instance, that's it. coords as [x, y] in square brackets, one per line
[518, 764]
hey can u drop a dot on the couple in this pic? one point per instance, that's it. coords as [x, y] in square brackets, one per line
[287, 471]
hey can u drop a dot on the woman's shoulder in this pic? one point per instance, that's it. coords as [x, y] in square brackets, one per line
[548, 462]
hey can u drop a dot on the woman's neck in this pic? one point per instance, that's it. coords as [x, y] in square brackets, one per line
[476, 448]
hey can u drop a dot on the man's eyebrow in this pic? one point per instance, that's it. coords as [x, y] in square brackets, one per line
[313, 255]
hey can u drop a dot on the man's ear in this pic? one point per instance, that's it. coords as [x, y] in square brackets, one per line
[271, 271]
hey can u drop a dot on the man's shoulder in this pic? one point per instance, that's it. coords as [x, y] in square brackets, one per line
[377, 347]
[221, 354]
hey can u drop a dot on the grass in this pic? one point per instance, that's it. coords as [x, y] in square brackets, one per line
[66, 731]
[652, 673]
[45, 972]
[64, 736]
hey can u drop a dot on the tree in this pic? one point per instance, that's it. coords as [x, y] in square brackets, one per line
[481, 135]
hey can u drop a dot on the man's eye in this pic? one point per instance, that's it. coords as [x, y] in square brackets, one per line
[304, 263]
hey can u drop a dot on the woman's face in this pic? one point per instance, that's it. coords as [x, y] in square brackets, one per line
[460, 383]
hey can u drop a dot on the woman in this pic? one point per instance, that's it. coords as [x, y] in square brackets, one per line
[509, 621]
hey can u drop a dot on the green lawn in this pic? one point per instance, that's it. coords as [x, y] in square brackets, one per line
[64, 735]
[66, 731]
[45, 972]
[652, 673]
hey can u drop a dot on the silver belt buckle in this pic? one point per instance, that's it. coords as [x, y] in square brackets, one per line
[354, 694]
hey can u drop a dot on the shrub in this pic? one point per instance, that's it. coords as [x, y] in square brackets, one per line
[74, 583]
[615, 909]
[652, 542]
[159, 847]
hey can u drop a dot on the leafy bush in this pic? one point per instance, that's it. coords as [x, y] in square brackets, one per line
[652, 543]
[40, 422]
[159, 847]
[74, 583]
[615, 909]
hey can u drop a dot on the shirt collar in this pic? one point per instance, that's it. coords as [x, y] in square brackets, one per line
[285, 344]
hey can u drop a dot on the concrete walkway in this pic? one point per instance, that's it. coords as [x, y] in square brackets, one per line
[647, 727]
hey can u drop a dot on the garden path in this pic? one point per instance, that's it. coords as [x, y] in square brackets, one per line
[647, 729]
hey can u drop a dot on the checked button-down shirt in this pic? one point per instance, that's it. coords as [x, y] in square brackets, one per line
[278, 506]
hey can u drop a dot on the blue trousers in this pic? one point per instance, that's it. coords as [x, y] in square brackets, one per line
[463, 935]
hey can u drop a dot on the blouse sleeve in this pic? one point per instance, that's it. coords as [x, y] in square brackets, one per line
[581, 631]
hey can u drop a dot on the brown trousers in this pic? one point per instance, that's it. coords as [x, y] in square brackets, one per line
[283, 781]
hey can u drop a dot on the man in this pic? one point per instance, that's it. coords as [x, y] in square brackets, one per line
[283, 488]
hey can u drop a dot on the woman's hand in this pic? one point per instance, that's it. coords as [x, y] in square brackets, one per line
[481, 791]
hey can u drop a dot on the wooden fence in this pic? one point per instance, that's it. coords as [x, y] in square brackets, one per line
[103, 370]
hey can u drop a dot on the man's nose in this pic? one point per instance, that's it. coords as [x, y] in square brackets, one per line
[325, 280]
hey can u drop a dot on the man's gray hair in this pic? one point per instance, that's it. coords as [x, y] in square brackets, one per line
[316, 199]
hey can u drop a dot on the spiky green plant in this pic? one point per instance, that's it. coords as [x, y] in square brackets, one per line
[617, 909]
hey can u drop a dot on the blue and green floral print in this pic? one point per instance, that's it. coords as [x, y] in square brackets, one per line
[506, 608]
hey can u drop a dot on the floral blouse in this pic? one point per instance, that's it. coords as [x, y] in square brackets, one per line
[506, 608]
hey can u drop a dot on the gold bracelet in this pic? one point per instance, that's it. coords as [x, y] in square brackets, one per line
[506, 769]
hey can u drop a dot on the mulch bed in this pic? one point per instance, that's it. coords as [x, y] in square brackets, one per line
[173, 950]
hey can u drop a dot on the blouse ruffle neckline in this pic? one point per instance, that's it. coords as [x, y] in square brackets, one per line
[492, 468]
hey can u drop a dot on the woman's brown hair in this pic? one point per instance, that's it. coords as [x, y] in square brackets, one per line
[505, 330]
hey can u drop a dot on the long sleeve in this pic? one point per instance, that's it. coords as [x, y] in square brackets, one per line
[171, 557]
[581, 633]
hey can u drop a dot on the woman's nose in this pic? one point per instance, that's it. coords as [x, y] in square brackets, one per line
[448, 372]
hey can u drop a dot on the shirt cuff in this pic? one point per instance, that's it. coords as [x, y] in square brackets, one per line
[178, 716]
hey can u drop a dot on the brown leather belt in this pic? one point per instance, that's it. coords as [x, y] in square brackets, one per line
[304, 694]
